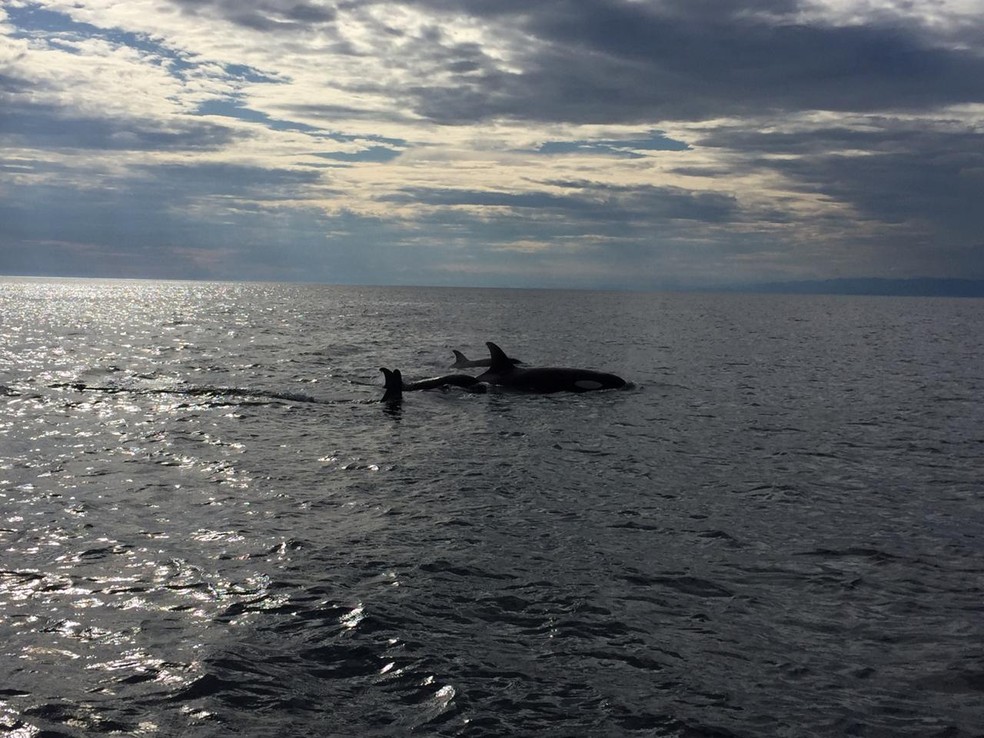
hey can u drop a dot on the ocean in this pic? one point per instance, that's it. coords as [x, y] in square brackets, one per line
[210, 525]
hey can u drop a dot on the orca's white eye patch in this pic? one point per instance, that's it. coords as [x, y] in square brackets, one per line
[588, 384]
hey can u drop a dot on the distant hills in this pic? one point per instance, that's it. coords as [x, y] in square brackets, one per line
[921, 287]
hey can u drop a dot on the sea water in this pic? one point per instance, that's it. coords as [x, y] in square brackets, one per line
[210, 525]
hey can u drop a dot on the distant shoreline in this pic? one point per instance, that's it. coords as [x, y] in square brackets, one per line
[916, 287]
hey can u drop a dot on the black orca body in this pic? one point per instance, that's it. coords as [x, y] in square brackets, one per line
[463, 362]
[395, 386]
[545, 379]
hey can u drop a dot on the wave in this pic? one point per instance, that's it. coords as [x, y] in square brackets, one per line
[237, 395]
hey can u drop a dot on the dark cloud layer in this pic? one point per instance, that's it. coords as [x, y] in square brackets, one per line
[268, 15]
[588, 202]
[54, 127]
[172, 221]
[595, 61]
[607, 61]
[899, 172]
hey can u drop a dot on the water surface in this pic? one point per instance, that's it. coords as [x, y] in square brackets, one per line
[209, 525]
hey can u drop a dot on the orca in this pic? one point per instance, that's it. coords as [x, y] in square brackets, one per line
[394, 386]
[463, 362]
[544, 379]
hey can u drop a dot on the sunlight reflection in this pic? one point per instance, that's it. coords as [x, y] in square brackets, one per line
[11, 725]
[353, 618]
[208, 536]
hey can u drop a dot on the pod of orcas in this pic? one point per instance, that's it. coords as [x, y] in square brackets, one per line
[503, 372]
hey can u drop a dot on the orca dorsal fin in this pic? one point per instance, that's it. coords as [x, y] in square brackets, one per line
[393, 385]
[458, 356]
[500, 362]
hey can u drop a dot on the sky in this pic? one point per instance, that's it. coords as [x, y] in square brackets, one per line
[617, 144]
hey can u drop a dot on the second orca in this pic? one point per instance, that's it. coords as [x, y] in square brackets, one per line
[463, 362]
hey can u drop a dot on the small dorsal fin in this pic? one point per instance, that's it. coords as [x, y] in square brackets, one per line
[458, 355]
[500, 362]
[393, 384]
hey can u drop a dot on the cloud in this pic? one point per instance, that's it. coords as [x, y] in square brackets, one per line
[266, 16]
[51, 127]
[630, 62]
[586, 202]
[915, 172]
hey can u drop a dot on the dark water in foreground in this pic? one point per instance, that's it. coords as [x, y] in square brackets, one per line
[209, 527]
